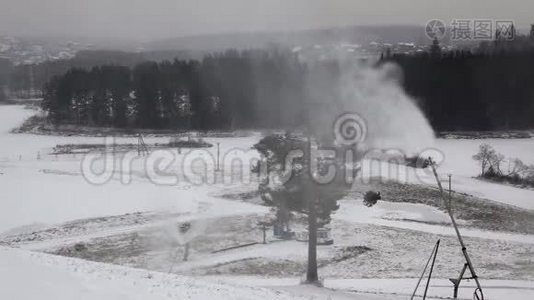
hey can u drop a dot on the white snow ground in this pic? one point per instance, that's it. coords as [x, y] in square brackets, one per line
[397, 215]
[27, 275]
[458, 162]
[400, 287]
[37, 193]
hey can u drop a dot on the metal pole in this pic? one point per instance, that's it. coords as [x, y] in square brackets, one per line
[218, 154]
[424, 271]
[450, 192]
[460, 239]
[431, 269]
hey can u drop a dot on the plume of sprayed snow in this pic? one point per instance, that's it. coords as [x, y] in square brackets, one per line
[392, 118]
[168, 240]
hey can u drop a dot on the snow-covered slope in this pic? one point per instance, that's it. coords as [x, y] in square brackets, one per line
[401, 287]
[30, 276]
[51, 190]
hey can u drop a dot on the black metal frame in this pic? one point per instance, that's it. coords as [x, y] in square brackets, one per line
[478, 294]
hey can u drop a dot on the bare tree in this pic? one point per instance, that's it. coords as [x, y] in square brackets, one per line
[484, 157]
[495, 162]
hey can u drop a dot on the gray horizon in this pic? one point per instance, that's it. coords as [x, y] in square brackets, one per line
[161, 19]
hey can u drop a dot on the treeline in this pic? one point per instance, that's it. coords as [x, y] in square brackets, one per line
[460, 90]
[231, 90]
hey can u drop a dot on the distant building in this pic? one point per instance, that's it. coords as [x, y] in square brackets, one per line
[532, 31]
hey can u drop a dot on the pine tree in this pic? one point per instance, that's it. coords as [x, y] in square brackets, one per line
[147, 96]
[298, 189]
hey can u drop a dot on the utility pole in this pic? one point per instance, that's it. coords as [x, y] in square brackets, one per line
[218, 156]
[450, 192]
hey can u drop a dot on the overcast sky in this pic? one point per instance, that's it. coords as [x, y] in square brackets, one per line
[155, 19]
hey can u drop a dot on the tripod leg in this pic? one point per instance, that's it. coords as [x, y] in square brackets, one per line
[457, 283]
[431, 269]
[424, 271]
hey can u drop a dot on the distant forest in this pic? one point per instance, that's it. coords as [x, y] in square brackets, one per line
[231, 90]
[490, 89]
[458, 90]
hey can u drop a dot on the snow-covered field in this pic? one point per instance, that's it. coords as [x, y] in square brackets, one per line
[28, 275]
[40, 192]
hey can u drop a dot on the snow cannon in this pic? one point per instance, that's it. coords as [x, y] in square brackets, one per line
[371, 198]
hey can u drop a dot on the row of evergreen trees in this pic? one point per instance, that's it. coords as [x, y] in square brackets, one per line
[460, 90]
[230, 90]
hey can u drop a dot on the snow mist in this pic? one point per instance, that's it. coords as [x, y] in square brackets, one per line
[392, 118]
